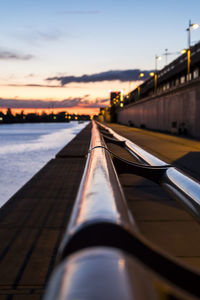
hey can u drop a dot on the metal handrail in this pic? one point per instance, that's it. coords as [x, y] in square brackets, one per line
[100, 273]
[101, 222]
[100, 199]
[182, 187]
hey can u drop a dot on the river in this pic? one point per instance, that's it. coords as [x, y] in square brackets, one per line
[26, 148]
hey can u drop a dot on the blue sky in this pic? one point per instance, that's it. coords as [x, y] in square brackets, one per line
[44, 39]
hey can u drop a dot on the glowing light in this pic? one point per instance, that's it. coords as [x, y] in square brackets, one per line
[183, 51]
[141, 75]
[195, 26]
[121, 264]
[152, 74]
[1, 119]
[121, 104]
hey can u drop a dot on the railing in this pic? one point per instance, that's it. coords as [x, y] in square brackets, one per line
[183, 188]
[103, 255]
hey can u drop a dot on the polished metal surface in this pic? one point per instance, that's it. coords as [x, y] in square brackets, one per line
[135, 149]
[100, 197]
[183, 188]
[100, 273]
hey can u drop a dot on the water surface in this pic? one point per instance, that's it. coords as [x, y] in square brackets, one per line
[26, 148]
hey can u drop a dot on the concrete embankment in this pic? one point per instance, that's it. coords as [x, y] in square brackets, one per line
[33, 221]
[173, 110]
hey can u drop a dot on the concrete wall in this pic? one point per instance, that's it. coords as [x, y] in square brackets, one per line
[180, 107]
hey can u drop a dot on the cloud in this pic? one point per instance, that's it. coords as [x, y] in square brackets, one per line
[14, 56]
[33, 85]
[48, 36]
[70, 102]
[121, 75]
[79, 12]
[36, 36]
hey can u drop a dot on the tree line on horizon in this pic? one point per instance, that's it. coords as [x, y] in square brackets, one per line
[63, 116]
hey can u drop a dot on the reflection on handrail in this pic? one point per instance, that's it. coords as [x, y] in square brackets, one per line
[100, 273]
[183, 188]
[100, 196]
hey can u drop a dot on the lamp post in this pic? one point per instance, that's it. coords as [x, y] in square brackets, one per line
[194, 26]
[166, 54]
[138, 87]
[157, 57]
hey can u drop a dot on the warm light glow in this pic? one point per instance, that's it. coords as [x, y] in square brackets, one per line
[188, 60]
[195, 26]
[121, 264]
[152, 74]
[39, 111]
[141, 75]
[183, 51]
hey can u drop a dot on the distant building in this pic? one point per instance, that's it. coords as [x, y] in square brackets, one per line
[116, 98]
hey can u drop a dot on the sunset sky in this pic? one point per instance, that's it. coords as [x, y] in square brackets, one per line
[72, 53]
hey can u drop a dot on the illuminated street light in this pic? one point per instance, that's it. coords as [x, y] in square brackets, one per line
[183, 51]
[157, 57]
[138, 87]
[141, 75]
[194, 26]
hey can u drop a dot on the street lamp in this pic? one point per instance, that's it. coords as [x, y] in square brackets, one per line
[157, 57]
[169, 53]
[194, 26]
[141, 75]
[152, 74]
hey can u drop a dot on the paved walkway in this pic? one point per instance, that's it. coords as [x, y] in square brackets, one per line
[159, 217]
